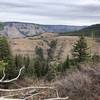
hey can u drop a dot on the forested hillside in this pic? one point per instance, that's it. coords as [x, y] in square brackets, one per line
[88, 31]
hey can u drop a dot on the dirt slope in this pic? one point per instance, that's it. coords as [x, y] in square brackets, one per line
[26, 46]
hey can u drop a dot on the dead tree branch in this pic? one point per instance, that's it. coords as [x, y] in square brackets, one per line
[66, 98]
[9, 99]
[11, 80]
[3, 75]
[26, 88]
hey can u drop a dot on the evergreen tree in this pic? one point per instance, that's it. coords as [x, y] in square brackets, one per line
[6, 56]
[29, 67]
[95, 58]
[5, 53]
[40, 63]
[1, 26]
[19, 61]
[39, 52]
[41, 67]
[51, 50]
[66, 64]
[26, 61]
[2, 67]
[62, 67]
[80, 50]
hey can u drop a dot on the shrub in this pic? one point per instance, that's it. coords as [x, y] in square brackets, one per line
[95, 58]
[41, 67]
[6, 56]
[2, 67]
[80, 50]
[51, 50]
[81, 85]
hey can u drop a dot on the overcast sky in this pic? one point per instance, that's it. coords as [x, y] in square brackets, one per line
[65, 12]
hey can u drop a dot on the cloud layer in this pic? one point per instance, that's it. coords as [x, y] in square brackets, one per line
[73, 12]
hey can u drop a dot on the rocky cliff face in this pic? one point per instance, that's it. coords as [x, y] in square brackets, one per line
[19, 29]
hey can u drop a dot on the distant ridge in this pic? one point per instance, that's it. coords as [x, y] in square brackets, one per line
[21, 29]
[87, 31]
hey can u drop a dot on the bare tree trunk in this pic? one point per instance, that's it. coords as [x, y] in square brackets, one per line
[11, 80]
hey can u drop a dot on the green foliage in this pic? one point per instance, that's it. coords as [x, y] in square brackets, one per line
[5, 53]
[26, 62]
[66, 64]
[80, 50]
[51, 73]
[96, 58]
[91, 29]
[40, 64]
[2, 67]
[34, 67]
[41, 67]
[39, 52]
[1, 26]
[52, 48]
[62, 67]
[19, 60]
[6, 56]
[86, 31]
[29, 67]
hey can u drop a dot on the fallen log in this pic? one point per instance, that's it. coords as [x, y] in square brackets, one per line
[26, 88]
[66, 98]
[10, 99]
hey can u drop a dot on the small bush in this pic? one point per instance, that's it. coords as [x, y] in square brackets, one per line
[81, 85]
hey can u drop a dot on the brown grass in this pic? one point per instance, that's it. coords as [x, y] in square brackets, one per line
[26, 46]
[84, 84]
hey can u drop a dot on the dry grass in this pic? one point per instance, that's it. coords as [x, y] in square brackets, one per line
[84, 84]
[26, 46]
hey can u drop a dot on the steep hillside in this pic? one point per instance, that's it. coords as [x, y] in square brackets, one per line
[88, 31]
[26, 46]
[19, 29]
[91, 29]
[62, 28]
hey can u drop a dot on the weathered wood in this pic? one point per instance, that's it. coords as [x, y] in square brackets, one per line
[21, 89]
[11, 80]
[10, 99]
[66, 98]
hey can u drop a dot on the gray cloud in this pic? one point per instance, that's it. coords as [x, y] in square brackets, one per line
[58, 12]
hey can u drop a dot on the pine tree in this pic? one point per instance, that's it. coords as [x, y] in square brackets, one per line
[66, 64]
[40, 64]
[51, 50]
[2, 67]
[19, 60]
[6, 56]
[26, 61]
[62, 67]
[5, 53]
[39, 52]
[1, 26]
[80, 50]
[29, 67]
